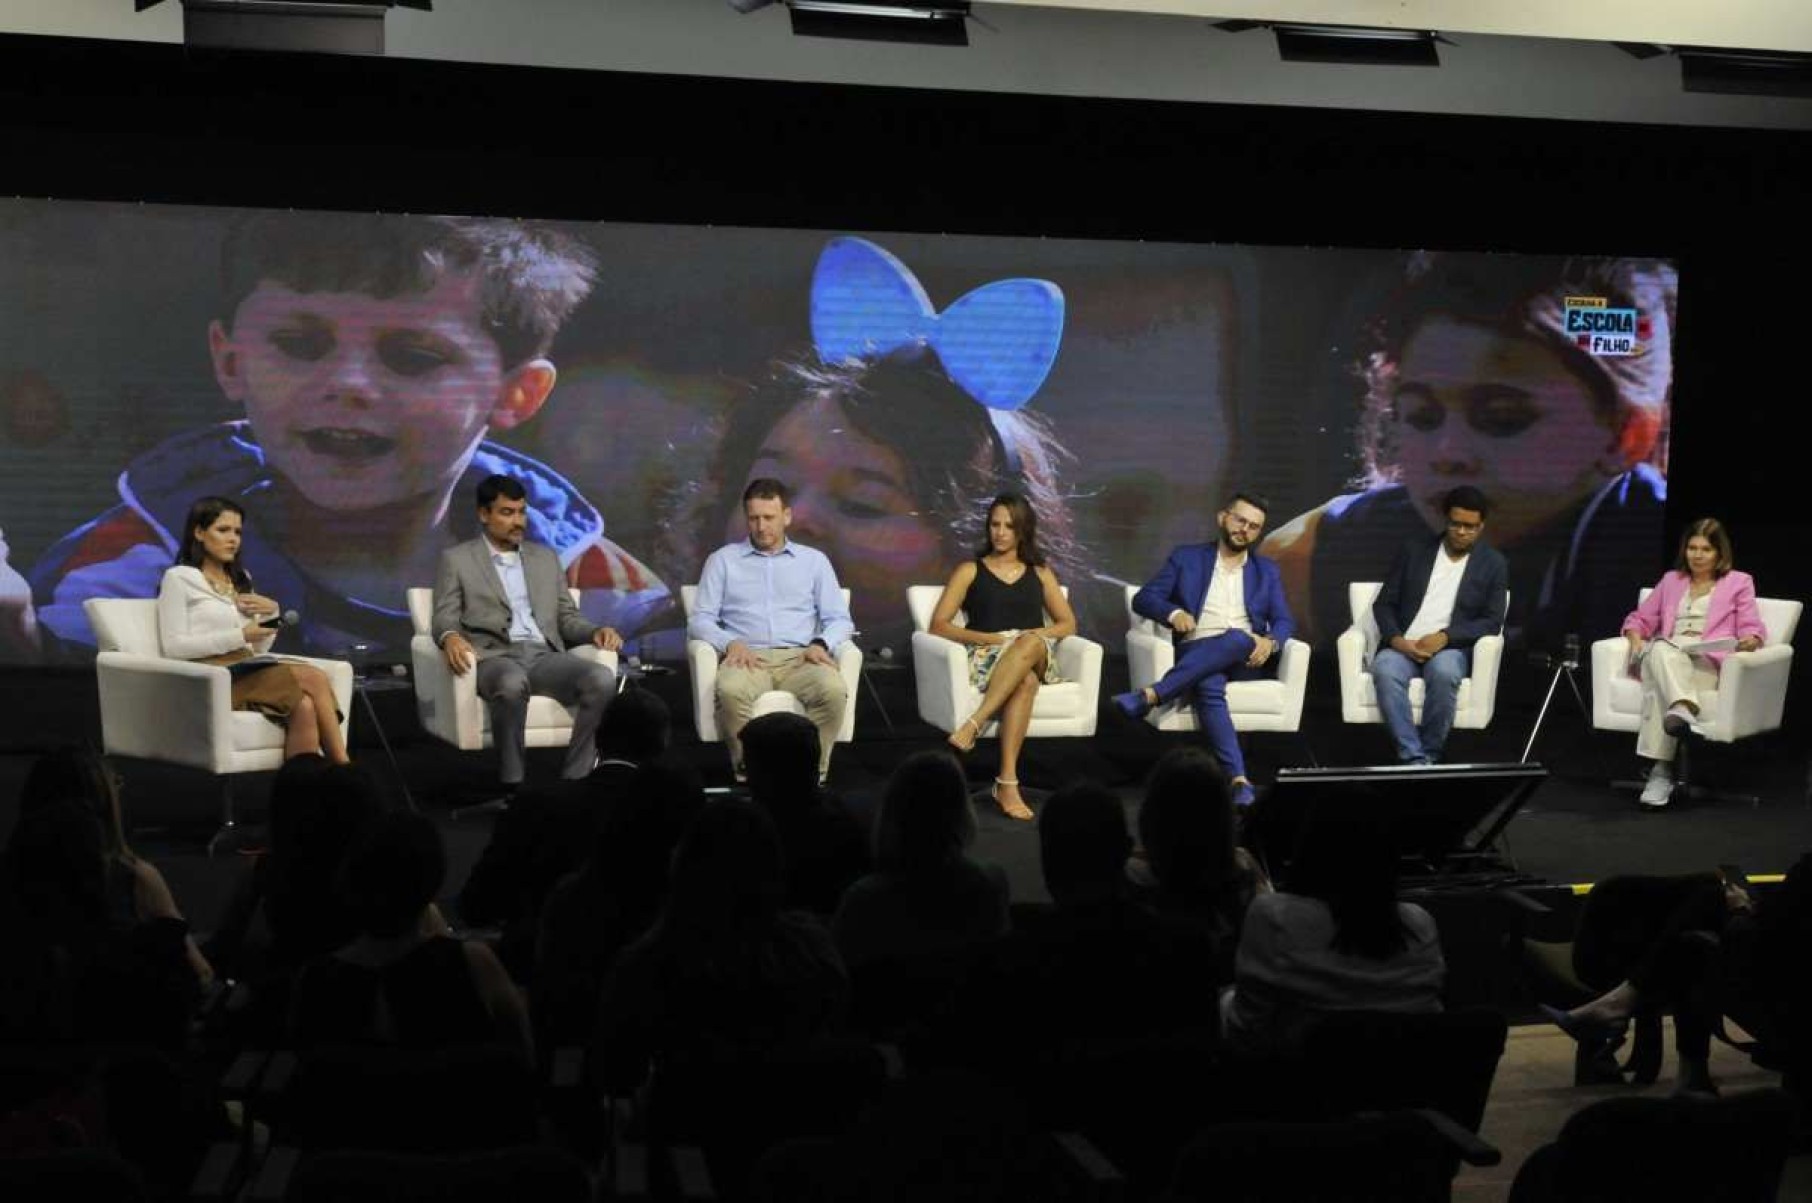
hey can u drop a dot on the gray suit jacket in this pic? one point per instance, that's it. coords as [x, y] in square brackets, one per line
[469, 599]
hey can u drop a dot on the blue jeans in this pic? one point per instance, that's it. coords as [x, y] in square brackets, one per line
[1203, 668]
[1441, 675]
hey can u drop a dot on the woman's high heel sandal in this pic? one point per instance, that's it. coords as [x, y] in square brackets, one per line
[1595, 1060]
[1024, 812]
[963, 749]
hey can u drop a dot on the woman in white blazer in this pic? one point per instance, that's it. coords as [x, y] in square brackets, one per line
[206, 611]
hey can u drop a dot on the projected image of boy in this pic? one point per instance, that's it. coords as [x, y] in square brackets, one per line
[372, 356]
[1474, 380]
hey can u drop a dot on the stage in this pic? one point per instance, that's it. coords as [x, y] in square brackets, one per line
[1574, 829]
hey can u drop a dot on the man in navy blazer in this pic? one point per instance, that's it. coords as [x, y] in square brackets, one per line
[1440, 596]
[1225, 605]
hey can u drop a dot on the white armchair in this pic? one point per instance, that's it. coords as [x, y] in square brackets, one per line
[1750, 696]
[702, 659]
[1271, 704]
[178, 711]
[941, 668]
[1477, 700]
[448, 702]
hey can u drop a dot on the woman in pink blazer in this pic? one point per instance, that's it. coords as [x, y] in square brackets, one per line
[1703, 598]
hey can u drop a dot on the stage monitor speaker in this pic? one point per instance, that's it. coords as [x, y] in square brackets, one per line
[1444, 818]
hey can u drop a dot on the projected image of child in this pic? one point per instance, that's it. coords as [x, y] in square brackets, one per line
[18, 620]
[1472, 379]
[895, 439]
[373, 355]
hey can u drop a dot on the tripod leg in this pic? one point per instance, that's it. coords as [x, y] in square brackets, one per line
[1553, 683]
[378, 726]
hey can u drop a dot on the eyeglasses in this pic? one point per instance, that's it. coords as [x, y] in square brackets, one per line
[1238, 523]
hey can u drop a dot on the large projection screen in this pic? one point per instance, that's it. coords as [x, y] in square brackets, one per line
[347, 379]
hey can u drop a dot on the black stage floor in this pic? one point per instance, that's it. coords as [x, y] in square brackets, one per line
[1575, 829]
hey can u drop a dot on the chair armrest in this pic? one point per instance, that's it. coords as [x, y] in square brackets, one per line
[849, 666]
[940, 670]
[639, 1174]
[702, 659]
[163, 709]
[691, 1176]
[446, 701]
[240, 1080]
[596, 655]
[566, 1069]
[1752, 692]
[1522, 902]
[1079, 659]
[1471, 1147]
[1349, 653]
[1487, 658]
[1087, 1168]
[1293, 675]
[220, 1175]
[1610, 660]
[272, 1182]
[1148, 657]
[279, 1072]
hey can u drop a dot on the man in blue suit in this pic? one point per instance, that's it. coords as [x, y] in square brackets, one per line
[1439, 597]
[1225, 604]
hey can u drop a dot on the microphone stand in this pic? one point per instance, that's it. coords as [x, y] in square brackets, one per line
[359, 656]
[1565, 665]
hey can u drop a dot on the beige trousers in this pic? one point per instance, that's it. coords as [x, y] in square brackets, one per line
[1669, 675]
[819, 688]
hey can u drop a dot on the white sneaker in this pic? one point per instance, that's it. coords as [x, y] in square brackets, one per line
[1659, 788]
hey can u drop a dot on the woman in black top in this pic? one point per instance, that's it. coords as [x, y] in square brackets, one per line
[1006, 593]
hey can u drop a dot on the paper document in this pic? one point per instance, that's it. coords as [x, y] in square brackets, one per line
[1726, 644]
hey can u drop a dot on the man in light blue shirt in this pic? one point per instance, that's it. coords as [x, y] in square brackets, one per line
[776, 615]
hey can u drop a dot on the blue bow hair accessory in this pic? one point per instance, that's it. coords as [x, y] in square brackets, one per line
[996, 343]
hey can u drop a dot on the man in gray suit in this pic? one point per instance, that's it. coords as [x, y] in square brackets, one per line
[501, 606]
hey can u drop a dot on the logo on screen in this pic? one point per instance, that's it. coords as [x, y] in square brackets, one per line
[1598, 328]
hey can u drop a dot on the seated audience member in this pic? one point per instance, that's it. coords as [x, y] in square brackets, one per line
[137, 892]
[1193, 870]
[84, 963]
[724, 970]
[1336, 940]
[288, 909]
[549, 831]
[1119, 966]
[824, 848]
[404, 981]
[593, 914]
[926, 895]
[1702, 947]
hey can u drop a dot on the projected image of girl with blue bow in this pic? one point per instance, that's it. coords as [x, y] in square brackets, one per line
[909, 421]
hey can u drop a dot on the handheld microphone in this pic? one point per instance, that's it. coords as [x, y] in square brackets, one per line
[277, 622]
